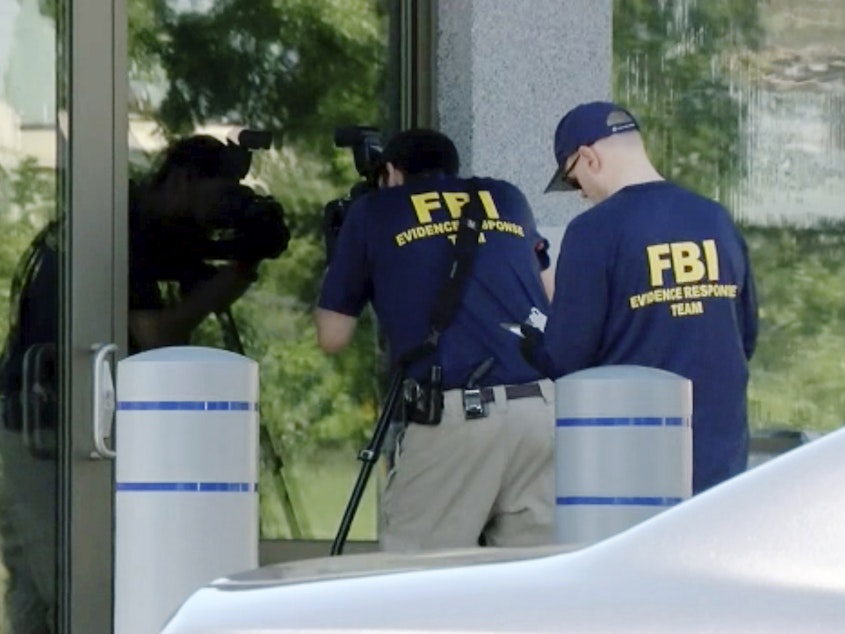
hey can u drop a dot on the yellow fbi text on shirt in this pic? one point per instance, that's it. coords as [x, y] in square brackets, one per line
[427, 205]
[692, 269]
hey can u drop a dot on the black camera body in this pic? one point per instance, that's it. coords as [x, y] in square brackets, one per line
[244, 226]
[365, 142]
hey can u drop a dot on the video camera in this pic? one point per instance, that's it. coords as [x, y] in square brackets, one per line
[365, 142]
[244, 226]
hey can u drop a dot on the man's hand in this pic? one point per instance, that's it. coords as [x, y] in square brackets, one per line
[173, 324]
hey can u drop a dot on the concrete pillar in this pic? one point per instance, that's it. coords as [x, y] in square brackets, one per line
[507, 70]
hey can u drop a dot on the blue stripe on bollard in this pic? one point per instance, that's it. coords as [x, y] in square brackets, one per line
[596, 500]
[642, 421]
[187, 406]
[237, 487]
[181, 487]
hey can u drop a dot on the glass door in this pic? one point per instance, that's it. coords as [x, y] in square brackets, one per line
[61, 182]
[31, 214]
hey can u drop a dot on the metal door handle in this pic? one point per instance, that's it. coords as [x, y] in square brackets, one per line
[104, 399]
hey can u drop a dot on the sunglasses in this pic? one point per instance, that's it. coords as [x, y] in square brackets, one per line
[571, 180]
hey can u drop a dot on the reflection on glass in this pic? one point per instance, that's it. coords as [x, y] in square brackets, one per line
[297, 70]
[745, 102]
[28, 317]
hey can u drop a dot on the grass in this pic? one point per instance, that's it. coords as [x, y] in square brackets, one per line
[319, 488]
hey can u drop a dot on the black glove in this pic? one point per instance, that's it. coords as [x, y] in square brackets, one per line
[531, 345]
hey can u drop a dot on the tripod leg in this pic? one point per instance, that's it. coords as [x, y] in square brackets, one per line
[287, 495]
[290, 502]
[369, 456]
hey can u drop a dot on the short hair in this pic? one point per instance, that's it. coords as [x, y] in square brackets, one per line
[202, 155]
[421, 151]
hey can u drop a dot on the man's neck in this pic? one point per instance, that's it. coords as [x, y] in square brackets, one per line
[634, 175]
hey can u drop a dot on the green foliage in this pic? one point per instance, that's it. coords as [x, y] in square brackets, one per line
[296, 67]
[669, 67]
[27, 189]
[796, 372]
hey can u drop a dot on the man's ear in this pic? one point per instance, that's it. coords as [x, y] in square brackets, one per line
[591, 157]
[395, 176]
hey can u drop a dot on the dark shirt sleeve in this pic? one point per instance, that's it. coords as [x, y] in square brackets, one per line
[574, 330]
[539, 243]
[347, 284]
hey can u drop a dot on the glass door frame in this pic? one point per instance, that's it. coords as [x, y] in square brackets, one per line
[94, 281]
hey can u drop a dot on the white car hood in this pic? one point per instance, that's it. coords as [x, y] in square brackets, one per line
[764, 552]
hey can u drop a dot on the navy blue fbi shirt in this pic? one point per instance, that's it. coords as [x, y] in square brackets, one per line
[658, 276]
[394, 250]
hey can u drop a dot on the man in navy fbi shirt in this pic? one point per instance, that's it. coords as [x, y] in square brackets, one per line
[463, 479]
[652, 275]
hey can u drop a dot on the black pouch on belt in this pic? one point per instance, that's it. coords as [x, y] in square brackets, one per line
[423, 400]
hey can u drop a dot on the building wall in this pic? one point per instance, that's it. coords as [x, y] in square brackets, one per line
[506, 72]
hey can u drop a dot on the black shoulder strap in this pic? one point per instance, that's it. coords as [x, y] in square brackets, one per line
[452, 290]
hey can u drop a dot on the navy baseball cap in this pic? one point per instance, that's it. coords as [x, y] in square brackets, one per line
[584, 125]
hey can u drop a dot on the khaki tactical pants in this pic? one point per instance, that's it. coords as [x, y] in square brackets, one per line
[461, 480]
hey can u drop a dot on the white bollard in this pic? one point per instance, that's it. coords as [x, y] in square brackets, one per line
[623, 449]
[186, 473]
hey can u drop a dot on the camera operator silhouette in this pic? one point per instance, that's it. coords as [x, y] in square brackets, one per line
[195, 191]
[196, 238]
